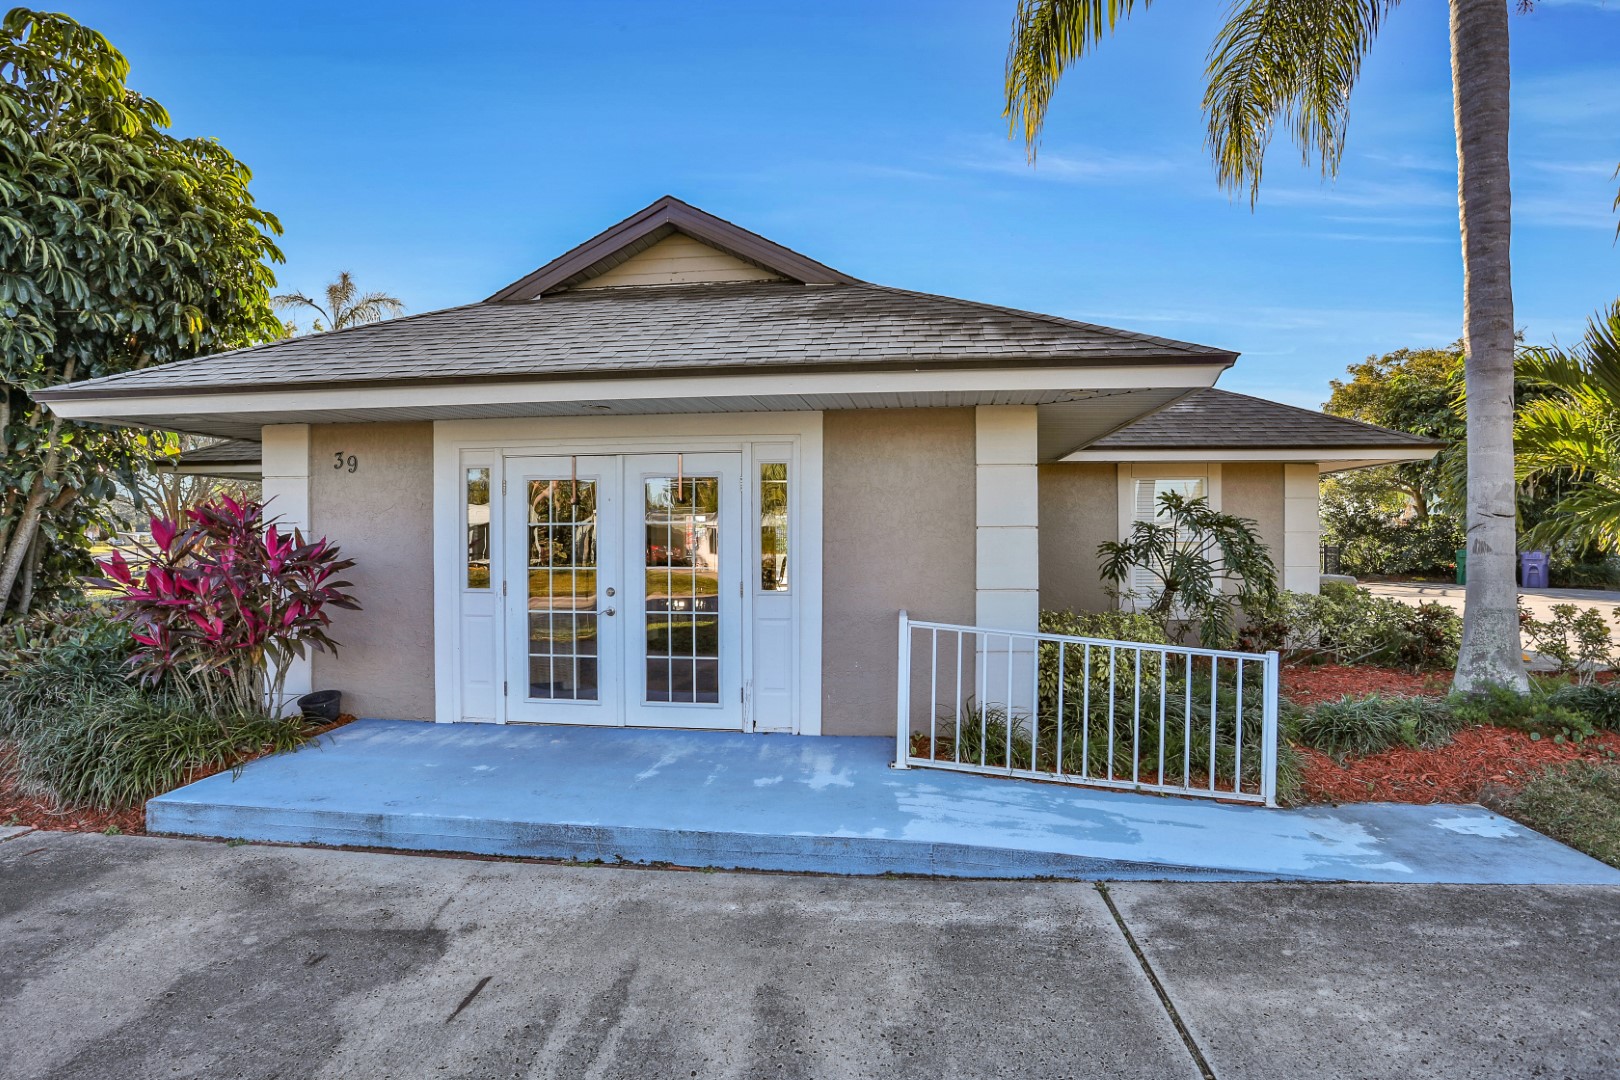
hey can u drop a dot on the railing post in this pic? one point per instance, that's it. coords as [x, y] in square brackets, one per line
[1268, 732]
[902, 707]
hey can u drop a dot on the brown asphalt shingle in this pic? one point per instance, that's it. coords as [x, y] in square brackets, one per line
[690, 329]
[1221, 420]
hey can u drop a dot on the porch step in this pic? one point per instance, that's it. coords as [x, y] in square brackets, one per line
[811, 804]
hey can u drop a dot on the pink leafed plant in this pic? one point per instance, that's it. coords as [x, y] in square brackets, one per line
[223, 602]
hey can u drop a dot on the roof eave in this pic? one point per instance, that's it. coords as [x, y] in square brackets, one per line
[88, 391]
[1362, 456]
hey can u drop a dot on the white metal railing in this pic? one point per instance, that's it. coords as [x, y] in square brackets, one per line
[1116, 714]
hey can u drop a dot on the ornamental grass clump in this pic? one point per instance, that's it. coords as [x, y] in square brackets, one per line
[221, 607]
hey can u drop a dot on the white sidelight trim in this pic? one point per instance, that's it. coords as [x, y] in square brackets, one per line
[1007, 517]
[1302, 529]
[794, 437]
[285, 486]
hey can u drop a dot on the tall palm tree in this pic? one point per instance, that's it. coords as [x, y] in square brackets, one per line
[1576, 431]
[1293, 63]
[343, 307]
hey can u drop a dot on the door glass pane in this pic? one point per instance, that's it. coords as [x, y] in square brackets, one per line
[562, 590]
[478, 528]
[683, 589]
[773, 526]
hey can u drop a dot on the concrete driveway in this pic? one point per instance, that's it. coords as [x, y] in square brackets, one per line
[1539, 601]
[136, 957]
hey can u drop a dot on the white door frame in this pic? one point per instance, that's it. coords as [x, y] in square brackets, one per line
[468, 639]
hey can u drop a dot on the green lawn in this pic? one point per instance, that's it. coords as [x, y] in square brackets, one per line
[1578, 804]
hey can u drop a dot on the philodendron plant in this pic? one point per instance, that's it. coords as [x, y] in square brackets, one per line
[1206, 567]
[224, 604]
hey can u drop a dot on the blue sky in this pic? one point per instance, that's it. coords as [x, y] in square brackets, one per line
[439, 151]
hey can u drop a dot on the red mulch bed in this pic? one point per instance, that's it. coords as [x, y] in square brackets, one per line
[1477, 760]
[16, 808]
[1307, 684]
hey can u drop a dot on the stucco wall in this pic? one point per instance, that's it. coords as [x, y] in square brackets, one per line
[1079, 504]
[1255, 490]
[381, 515]
[898, 532]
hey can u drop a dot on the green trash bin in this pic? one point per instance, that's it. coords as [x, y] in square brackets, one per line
[1462, 566]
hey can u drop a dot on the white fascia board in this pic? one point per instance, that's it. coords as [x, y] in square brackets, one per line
[777, 384]
[249, 470]
[1332, 458]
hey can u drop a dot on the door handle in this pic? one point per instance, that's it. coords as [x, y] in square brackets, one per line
[607, 611]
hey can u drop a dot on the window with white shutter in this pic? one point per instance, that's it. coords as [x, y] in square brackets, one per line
[1145, 507]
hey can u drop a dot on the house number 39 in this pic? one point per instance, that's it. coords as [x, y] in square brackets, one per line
[345, 462]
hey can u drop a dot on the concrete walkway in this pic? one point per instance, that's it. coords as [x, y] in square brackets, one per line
[828, 804]
[137, 957]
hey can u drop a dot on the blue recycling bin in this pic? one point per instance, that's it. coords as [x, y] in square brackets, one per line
[1533, 569]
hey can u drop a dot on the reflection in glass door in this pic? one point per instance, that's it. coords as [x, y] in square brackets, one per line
[563, 616]
[683, 639]
[682, 612]
[562, 561]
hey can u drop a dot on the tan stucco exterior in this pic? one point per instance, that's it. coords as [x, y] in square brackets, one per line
[381, 516]
[1255, 490]
[898, 532]
[1079, 509]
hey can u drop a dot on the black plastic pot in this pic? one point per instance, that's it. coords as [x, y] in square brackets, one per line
[322, 705]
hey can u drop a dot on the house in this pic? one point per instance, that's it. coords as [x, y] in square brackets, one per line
[682, 476]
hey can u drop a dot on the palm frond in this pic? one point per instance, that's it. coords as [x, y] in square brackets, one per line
[1575, 433]
[371, 308]
[1048, 36]
[1288, 62]
[338, 295]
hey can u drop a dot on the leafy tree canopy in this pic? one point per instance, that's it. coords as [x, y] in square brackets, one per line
[121, 246]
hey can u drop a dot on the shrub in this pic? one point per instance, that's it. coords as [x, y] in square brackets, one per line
[47, 657]
[223, 606]
[1578, 804]
[1599, 704]
[1349, 625]
[1541, 715]
[115, 745]
[1576, 639]
[1602, 574]
[1354, 727]
[1371, 545]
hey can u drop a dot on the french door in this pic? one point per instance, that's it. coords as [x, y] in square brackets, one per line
[624, 590]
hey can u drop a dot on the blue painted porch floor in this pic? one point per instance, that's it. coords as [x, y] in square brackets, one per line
[828, 804]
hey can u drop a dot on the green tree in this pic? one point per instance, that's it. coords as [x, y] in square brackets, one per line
[121, 246]
[1575, 430]
[345, 305]
[1294, 63]
[1416, 390]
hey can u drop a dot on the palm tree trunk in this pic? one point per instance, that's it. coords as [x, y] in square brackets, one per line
[1479, 76]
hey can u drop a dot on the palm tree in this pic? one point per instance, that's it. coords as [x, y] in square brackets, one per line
[1575, 431]
[1294, 63]
[343, 308]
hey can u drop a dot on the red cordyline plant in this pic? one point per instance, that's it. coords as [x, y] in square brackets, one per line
[223, 605]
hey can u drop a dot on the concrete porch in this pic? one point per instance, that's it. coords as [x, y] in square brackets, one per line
[824, 804]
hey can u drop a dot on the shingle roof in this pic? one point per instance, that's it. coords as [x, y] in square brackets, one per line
[224, 452]
[1219, 419]
[754, 327]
